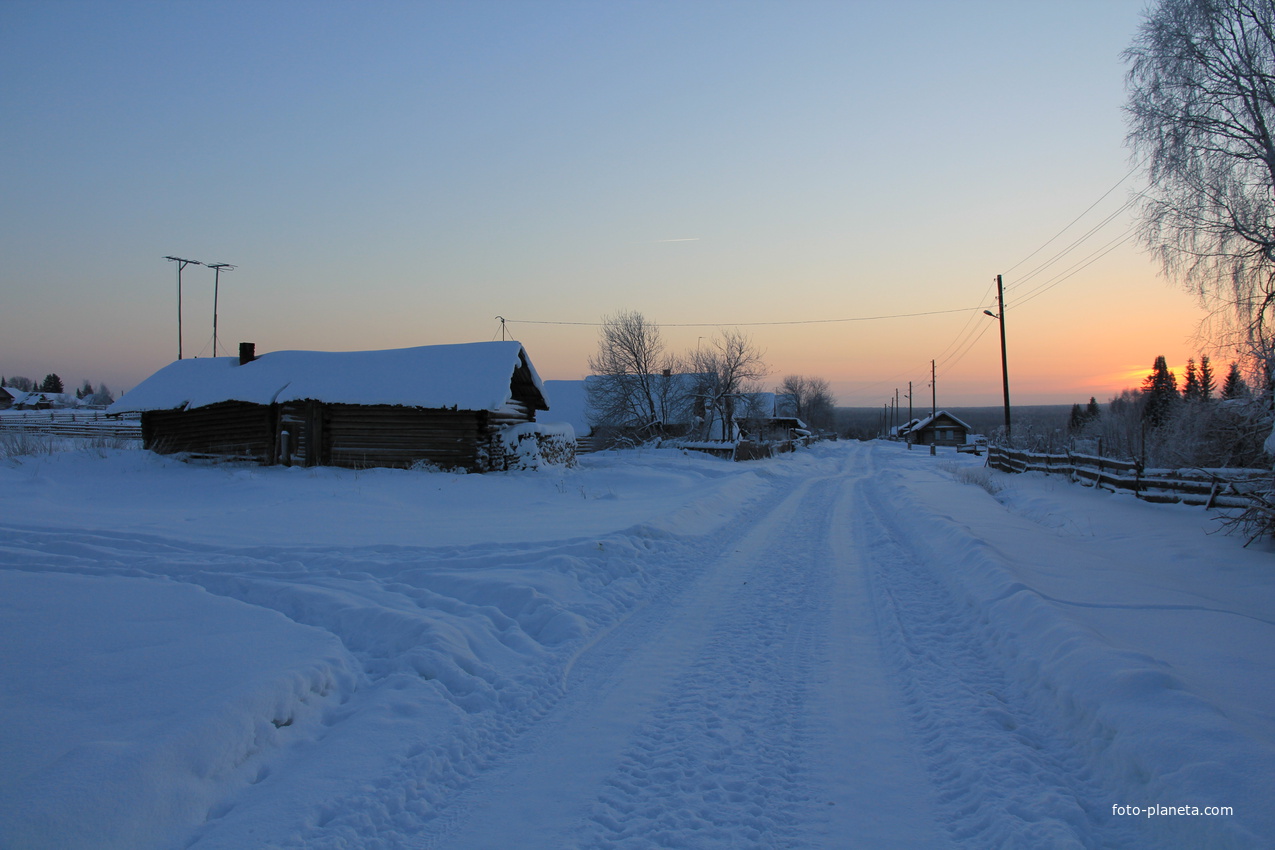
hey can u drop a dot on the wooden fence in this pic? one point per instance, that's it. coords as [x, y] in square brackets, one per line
[1226, 488]
[72, 423]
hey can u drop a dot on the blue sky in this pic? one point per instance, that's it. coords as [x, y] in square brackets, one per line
[390, 174]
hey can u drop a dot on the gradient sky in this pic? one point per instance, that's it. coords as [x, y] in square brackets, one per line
[390, 174]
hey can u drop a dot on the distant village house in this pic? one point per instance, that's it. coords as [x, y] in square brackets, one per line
[938, 429]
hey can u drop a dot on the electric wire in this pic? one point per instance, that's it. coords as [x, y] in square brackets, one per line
[958, 357]
[1075, 244]
[1079, 217]
[974, 313]
[755, 324]
[1079, 266]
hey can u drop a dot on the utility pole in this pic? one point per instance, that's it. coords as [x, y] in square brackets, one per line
[909, 401]
[181, 264]
[934, 391]
[1000, 303]
[217, 267]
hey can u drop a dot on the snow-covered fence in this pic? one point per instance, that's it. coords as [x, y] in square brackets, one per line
[749, 450]
[73, 423]
[1209, 487]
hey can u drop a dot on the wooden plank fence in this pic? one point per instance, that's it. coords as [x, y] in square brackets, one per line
[1224, 488]
[73, 423]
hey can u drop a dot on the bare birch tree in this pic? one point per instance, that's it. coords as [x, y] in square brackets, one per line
[1202, 112]
[632, 388]
[812, 400]
[728, 367]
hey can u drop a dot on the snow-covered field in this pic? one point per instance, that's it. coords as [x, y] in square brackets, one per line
[852, 646]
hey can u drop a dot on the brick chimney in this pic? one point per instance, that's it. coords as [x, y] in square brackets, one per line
[247, 352]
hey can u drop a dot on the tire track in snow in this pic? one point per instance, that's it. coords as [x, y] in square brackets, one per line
[1003, 778]
[721, 762]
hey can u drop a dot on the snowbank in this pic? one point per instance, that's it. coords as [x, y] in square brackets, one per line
[131, 707]
[1131, 628]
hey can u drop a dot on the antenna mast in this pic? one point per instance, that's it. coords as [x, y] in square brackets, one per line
[181, 264]
[217, 267]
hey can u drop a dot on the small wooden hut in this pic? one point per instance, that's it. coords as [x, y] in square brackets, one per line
[445, 405]
[939, 429]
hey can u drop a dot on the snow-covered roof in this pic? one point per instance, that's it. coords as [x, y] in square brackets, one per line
[929, 420]
[907, 427]
[467, 376]
[21, 397]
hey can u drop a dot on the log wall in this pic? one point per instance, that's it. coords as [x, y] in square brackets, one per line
[232, 429]
[353, 436]
[400, 437]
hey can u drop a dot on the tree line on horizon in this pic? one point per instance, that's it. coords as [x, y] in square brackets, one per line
[53, 385]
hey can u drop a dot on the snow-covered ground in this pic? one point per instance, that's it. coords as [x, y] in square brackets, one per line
[852, 646]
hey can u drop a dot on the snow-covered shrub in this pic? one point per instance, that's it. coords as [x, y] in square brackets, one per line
[1258, 519]
[1213, 434]
[979, 476]
[533, 445]
[1118, 430]
[1032, 437]
[1207, 434]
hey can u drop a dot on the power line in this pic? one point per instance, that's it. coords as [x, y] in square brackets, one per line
[1079, 266]
[1079, 217]
[1075, 243]
[755, 324]
[966, 329]
[956, 358]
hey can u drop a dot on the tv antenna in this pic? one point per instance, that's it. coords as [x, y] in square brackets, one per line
[181, 264]
[217, 268]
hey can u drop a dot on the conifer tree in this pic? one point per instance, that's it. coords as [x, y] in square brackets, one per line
[1093, 411]
[1234, 387]
[1161, 389]
[1191, 390]
[52, 384]
[1208, 387]
[1077, 419]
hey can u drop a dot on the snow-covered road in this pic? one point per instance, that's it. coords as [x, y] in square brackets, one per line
[727, 712]
[850, 647]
